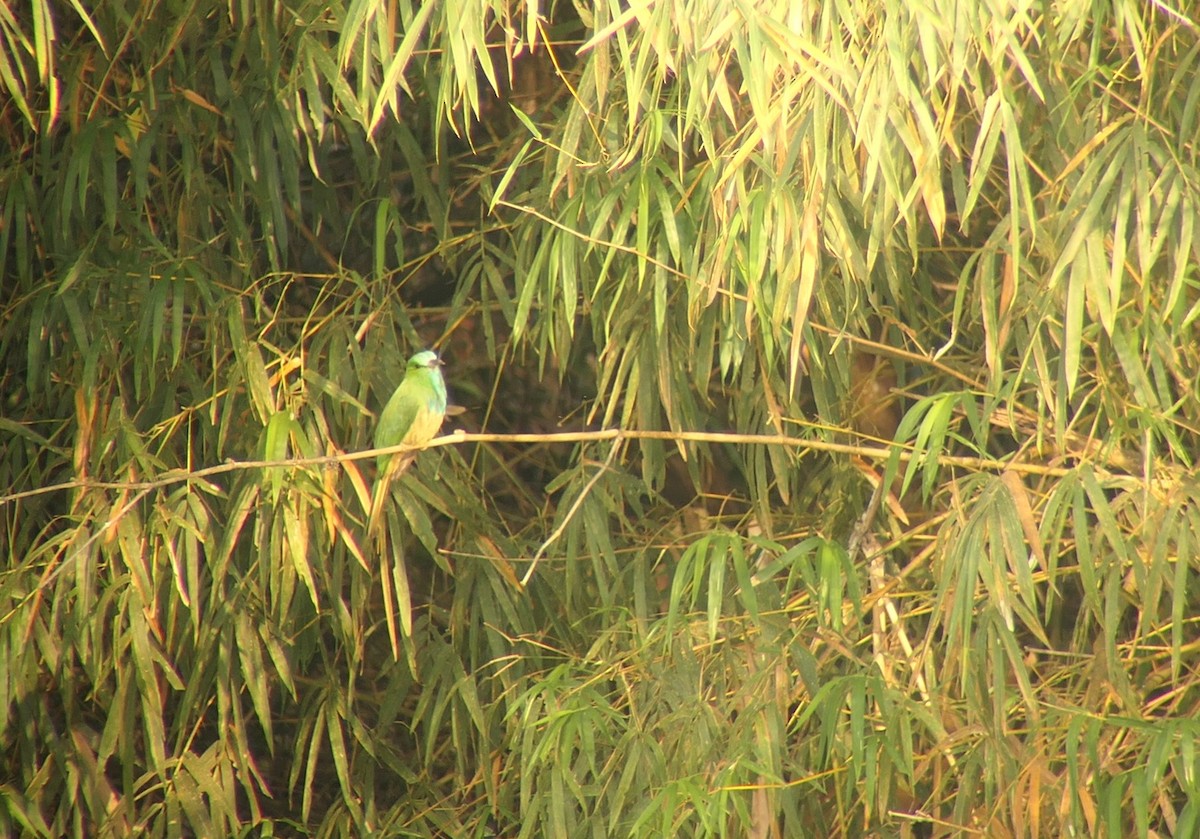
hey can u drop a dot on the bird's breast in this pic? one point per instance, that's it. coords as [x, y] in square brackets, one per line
[424, 426]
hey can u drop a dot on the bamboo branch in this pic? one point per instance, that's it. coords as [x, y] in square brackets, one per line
[175, 476]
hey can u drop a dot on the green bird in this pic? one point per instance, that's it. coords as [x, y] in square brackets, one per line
[411, 417]
[415, 412]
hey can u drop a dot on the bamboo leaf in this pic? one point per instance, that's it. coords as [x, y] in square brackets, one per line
[716, 588]
[296, 543]
[393, 75]
[1072, 340]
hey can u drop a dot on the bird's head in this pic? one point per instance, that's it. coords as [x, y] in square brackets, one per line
[425, 358]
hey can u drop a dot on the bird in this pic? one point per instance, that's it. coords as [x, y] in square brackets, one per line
[415, 412]
[410, 418]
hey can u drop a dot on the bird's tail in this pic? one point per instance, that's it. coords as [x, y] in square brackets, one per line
[383, 484]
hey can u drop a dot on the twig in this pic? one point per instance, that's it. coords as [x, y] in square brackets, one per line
[865, 521]
[558, 531]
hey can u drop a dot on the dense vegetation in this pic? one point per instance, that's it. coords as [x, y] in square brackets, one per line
[853, 346]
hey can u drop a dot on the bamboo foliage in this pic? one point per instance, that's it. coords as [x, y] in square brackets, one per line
[223, 226]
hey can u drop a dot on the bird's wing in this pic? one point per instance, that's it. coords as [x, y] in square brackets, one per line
[395, 420]
[397, 416]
